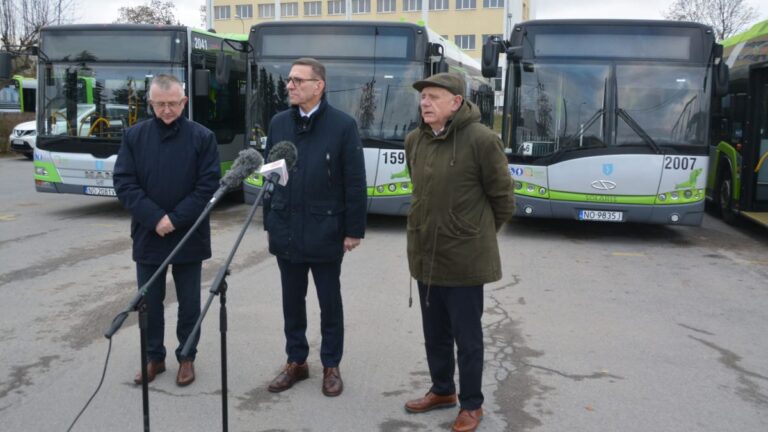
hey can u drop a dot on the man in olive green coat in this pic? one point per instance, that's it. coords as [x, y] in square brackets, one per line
[462, 194]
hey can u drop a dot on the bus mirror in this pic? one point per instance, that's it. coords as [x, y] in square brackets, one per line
[490, 57]
[717, 51]
[6, 60]
[515, 53]
[721, 78]
[202, 80]
[223, 66]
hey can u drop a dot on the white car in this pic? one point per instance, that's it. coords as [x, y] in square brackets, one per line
[23, 138]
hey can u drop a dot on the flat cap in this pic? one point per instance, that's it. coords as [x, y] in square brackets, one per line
[451, 82]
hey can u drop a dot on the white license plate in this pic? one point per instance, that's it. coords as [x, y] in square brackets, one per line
[102, 191]
[601, 215]
[18, 142]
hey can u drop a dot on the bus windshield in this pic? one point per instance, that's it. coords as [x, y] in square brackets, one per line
[566, 107]
[377, 94]
[96, 100]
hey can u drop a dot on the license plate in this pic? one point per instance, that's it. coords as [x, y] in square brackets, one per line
[101, 191]
[18, 142]
[601, 215]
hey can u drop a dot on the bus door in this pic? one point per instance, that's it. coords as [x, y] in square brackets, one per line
[760, 134]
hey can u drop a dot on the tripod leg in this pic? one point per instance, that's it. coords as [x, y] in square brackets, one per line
[223, 330]
[143, 324]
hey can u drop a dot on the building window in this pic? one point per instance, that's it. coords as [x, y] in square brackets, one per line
[438, 4]
[337, 7]
[384, 6]
[466, 4]
[491, 4]
[486, 36]
[244, 11]
[289, 9]
[221, 12]
[267, 10]
[411, 5]
[361, 6]
[465, 42]
[313, 8]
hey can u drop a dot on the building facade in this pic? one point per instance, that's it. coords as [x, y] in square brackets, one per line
[465, 22]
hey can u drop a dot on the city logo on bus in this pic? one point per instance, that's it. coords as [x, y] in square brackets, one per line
[608, 169]
[604, 185]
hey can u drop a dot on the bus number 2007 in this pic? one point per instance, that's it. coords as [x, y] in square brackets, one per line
[679, 162]
[394, 158]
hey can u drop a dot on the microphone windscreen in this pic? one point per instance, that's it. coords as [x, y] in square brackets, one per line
[248, 161]
[283, 150]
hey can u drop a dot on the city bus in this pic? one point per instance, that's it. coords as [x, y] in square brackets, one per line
[18, 94]
[608, 120]
[738, 174]
[93, 82]
[370, 69]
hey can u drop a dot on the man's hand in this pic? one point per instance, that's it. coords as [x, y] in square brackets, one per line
[164, 226]
[350, 243]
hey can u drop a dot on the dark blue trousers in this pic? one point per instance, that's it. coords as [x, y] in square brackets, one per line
[294, 278]
[186, 277]
[453, 316]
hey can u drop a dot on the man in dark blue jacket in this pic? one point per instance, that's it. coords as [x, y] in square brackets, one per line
[166, 172]
[313, 220]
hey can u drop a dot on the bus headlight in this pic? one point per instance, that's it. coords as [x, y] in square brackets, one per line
[530, 188]
[392, 187]
[380, 189]
[688, 194]
[674, 195]
[518, 185]
[41, 171]
[662, 197]
[542, 191]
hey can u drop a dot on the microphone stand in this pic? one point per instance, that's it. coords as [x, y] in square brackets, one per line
[219, 287]
[138, 304]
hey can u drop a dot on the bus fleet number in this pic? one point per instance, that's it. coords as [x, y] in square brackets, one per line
[394, 158]
[679, 162]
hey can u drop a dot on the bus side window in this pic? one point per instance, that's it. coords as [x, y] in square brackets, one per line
[738, 117]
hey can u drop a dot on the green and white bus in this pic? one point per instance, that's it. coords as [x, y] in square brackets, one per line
[738, 175]
[608, 120]
[17, 94]
[370, 67]
[92, 84]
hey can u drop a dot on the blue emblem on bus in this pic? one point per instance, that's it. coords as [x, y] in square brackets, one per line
[99, 165]
[608, 169]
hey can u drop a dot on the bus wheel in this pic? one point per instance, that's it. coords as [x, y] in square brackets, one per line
[725, 199]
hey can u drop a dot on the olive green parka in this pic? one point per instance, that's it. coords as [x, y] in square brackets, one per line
[462, 194]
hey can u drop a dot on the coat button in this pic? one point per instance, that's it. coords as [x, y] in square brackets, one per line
[329, 212]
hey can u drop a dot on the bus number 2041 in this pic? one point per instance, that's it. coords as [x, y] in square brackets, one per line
[679, 163]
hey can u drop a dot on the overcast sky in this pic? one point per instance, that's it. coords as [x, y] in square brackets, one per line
[188, 10]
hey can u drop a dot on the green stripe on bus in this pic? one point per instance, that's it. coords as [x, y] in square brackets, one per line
[52, 175]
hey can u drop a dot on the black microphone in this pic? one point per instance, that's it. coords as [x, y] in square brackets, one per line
[248, 161]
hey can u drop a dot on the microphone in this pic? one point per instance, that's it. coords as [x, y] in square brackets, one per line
[248, 161]
[282, 157]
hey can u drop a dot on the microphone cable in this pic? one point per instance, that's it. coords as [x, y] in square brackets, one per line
[103, 374]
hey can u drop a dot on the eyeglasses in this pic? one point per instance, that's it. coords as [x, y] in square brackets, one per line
[299, 81]
[163, 105]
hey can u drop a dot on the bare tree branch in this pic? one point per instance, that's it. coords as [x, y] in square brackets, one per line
[726, 17]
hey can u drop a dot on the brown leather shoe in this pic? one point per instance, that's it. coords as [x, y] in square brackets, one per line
[186, 373]
[467, 420]
[154, 368]
[429, 402]
[290, 375]
[332, 383]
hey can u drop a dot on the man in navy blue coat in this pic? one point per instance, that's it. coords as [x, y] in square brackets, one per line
[167, 170]
[314, 219]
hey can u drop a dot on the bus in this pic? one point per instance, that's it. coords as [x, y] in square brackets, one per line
[370, 69]
[608, 120]
[18, 94]
[93, 82]
[738, 175]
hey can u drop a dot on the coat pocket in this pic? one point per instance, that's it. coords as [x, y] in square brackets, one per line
[278, 227]
[460, 227]
[324, 231]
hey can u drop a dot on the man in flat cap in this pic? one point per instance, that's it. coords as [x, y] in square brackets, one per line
[462, 194]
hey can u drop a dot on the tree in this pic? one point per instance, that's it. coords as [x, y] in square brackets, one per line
[153, 12]
[726, 17]
[21, 21]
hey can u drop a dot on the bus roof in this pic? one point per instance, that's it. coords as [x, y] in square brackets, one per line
[757, 30]
[616, 22]
[141, 28]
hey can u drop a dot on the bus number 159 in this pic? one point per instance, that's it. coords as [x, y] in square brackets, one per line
[394, 158]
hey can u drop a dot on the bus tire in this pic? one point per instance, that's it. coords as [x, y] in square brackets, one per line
[725, 198]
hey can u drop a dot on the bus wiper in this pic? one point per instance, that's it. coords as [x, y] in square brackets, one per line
[583, 128]
[638, 130]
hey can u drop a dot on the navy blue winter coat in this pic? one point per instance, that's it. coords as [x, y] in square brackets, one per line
[167, 169]
[325, 198]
